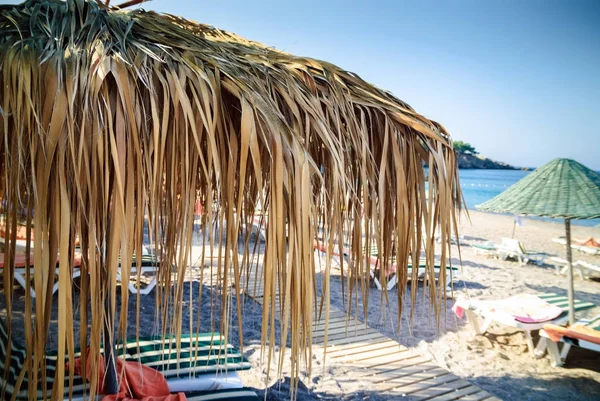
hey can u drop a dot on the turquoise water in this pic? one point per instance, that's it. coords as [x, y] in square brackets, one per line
[479, 186]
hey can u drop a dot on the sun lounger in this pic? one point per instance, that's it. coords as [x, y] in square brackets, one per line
[590, 241]
[258, 226]
[584, 334]
[234, 394]
[461, 239]
[200, 354]
[239, 394]
[21, 238]
[586, 267]
[452, 274]
[590, 250]
[10, 373]
[372, 253]
[21, 235]
[148, 265]
[512, 248]
[562, 265]
[486, 248]
[582, 268]
[523, 312]
[20, 245]
[20, 274]
[212, 365]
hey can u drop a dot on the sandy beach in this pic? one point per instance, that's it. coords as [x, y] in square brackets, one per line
[497, 362]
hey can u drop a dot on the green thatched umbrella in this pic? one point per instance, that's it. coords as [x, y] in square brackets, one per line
[114, 120]
[562, 189]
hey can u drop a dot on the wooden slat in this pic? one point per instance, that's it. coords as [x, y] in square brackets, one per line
[413, 382]
[435, 381]
[451, 387]
[343, 334]
[383, 365]
[333, 314]
[335, 349]
[349, 350]
[373, 336]
[394, 370]
[382, 362]
[373, 353]
[335, 323]
[342, 328]
[387, 379]
[450, 396]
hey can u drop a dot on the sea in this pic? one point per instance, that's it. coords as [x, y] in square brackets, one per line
[479, 186]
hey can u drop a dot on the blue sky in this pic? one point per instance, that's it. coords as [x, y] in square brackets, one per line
[520, 80]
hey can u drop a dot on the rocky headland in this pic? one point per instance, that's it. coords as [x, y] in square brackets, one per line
[469, 161]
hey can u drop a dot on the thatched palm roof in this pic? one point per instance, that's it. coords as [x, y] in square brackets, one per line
[111, 119]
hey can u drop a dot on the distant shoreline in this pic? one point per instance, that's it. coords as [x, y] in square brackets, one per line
[590, 223]
[478, 162]
[503, 168]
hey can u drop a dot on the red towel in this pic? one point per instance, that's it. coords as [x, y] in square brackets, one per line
[140, 382]
[576, 331]
[458, 310]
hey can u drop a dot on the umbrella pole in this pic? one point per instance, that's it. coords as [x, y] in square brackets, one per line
[570, 270]
[111, 386]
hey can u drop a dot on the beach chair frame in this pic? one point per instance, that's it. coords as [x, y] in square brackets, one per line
[475, 310]
[586, 267]
[581, 248]
[486, 249]
[148, 266]
[558, 356]
[582, 268]
[527, 328]
[513, 248]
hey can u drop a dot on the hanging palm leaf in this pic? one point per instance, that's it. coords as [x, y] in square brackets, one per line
[113, 120]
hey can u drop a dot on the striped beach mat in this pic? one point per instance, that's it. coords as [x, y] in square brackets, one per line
[198, 354]
[10, 371]
[563, 302]
[594, 323]
[237, 394]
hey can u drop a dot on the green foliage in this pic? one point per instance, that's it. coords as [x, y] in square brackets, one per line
[464, 148]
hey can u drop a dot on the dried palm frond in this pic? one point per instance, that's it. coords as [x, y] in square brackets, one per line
[116, 119]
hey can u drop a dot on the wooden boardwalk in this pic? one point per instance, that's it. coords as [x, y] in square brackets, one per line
[384, 365]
